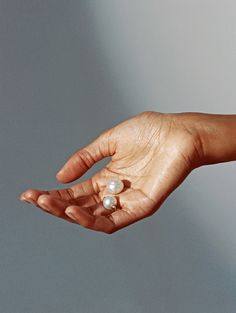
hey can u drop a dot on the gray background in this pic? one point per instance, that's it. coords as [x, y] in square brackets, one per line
[70, 69]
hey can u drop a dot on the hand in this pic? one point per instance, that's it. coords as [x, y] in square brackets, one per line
[152, 153]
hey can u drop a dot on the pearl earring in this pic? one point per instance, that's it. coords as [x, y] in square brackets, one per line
[115, 186]
[109, 202]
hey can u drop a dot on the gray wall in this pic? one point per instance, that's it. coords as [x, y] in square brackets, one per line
[68, 70]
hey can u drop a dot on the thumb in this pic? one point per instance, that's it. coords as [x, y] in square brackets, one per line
[86, 157]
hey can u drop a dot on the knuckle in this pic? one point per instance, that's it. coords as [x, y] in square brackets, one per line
[84, 158]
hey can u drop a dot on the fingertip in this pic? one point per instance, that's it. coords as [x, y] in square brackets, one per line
[42, 199]
[63, 177]
[70, 211]
[43, 202]
[85, 219]
[59, 175]
[79, 215]
[27, 194]
[21, 196]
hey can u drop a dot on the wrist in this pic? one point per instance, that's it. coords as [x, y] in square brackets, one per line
[214, 136]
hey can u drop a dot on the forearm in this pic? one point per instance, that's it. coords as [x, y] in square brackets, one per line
[216, 133]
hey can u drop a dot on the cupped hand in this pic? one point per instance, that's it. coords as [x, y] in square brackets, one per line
[152, 153]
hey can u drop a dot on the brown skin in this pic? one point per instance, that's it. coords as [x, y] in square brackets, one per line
[152, 153]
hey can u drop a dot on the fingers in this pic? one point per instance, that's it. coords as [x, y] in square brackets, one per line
[31, 195]
[87, 210]
[57, 206]
[56, 201]
[82, 189]
[85, 188]
[85, 158]
[82, 216]
[131, 211]
[103, 223]
[47, 202]
[54, 206]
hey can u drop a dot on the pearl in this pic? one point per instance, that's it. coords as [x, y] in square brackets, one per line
[115, 186]
[109, 202]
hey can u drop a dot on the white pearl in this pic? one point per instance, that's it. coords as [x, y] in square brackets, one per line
[115, 186]
[109, 202]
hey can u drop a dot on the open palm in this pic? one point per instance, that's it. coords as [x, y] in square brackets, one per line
[151, 153]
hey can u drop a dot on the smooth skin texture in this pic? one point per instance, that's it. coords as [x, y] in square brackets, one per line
[152, 153]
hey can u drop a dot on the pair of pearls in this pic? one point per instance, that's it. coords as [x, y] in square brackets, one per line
[114, 186]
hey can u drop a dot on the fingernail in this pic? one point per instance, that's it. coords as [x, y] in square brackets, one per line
[30, 201]
[60, 172]
[43, 206]
[22, 198]
[70, 214]
[26, 201]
